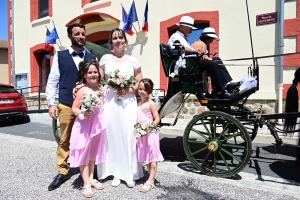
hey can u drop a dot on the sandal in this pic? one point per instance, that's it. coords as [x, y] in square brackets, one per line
[97, 185]
[87, 192]
[146, 187]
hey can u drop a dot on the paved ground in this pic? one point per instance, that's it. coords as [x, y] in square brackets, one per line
[28, 166]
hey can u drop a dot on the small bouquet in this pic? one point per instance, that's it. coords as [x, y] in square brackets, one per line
[89, 103]
[120, 80]
[143, 130]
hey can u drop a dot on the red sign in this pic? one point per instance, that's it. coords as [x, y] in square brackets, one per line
[91, 19]
[268, 18]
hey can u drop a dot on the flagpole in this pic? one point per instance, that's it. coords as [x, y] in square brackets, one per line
[138, 23]
[58, 37]
[132, 24]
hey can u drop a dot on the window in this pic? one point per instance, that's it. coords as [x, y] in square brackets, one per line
[43, 8]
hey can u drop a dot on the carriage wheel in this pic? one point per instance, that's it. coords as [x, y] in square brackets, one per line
[217, 144]
[56, 130]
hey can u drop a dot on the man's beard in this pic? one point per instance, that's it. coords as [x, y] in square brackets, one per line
[76, 44]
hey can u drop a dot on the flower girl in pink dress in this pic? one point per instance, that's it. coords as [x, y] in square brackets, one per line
[87, 142]
[148, 144]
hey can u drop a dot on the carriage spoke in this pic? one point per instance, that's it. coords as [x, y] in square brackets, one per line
[197, 142]
[231, 136]
[215, 124]
[235, 146]
[223, 158]
[215, 162]
[230, 154]
[204, 160]
[224, 130]
[209, 133]
[198, 151]
[199, 133]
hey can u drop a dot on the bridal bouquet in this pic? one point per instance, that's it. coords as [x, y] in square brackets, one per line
[89, 103]
[143, 130]
[120, 80]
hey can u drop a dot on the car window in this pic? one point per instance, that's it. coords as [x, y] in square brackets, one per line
[4, 89]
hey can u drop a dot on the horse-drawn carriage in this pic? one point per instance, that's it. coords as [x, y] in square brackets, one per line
[218, 141]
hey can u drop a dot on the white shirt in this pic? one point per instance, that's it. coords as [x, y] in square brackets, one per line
[53, 79]
[178, 36]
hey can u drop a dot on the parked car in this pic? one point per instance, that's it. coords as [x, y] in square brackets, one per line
[12, 104]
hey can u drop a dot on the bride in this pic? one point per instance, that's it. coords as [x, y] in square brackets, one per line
[121, 160]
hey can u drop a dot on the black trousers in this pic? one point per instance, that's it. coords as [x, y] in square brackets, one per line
[218, 73]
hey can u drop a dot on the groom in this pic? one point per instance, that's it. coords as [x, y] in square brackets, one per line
[62, 78]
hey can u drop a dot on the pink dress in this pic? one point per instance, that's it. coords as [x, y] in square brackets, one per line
[147, 146]
[87, 140]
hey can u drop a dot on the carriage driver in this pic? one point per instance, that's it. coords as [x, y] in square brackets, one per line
[220, 77]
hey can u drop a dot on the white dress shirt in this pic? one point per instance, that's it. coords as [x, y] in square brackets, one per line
[178, 36]
[53, 79]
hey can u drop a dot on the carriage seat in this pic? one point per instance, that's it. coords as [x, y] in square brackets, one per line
[169, 60]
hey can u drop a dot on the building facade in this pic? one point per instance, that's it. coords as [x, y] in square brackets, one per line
[4, 74]
[29, 18]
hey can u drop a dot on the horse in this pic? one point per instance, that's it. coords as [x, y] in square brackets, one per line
[291, 105]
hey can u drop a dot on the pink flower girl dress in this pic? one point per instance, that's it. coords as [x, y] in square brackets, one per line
[148, 146]
[88, 139]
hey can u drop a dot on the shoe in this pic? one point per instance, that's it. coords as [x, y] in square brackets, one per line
[226, 95]
[58, 180]
[116, 182]
[97, 185]
[147, 187]
[131, 185]
[231, 87]
[87, 191]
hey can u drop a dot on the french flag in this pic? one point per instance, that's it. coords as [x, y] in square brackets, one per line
[47, 47]
[145, 25]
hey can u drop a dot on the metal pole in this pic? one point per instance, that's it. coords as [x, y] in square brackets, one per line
[250, 33]
[281, 49]
[13, 47]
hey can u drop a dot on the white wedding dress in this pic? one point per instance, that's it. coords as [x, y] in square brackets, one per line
[121, 159]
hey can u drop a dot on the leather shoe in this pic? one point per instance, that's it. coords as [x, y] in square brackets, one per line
[58, 180]
[231, 87]
[226, 95]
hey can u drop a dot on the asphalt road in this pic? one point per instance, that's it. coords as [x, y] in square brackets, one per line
[266, 159]
[28, 166]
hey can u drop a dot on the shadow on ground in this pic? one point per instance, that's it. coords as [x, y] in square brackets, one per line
[10, 122]
[281, 160]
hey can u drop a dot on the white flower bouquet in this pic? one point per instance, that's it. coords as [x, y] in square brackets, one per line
[89, 103]
[120, 80]
[143, 130]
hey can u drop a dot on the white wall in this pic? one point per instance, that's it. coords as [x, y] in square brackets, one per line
[234, 33]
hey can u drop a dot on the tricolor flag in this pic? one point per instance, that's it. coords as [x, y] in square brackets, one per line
[51, 38]
[131, 17]
[145, 25]
[47, 47]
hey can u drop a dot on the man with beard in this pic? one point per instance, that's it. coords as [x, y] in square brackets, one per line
[63, 77]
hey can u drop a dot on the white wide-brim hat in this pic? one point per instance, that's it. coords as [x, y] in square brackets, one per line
[210, 32]
[186, 21]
